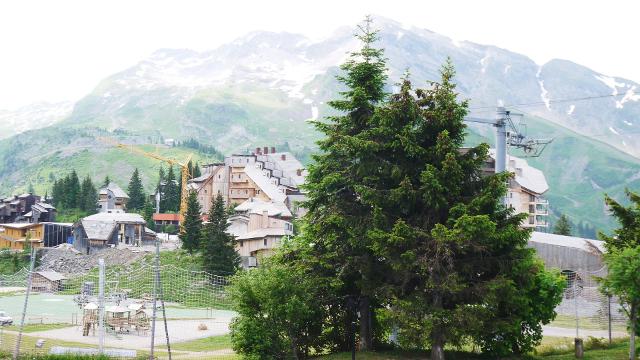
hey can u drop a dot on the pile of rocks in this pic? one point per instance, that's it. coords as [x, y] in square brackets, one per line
[67, 260]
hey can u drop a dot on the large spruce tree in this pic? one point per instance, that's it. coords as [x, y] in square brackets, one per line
[460, 264]
[137, 197]
[219, 256]
[338, 219]
[190, 231]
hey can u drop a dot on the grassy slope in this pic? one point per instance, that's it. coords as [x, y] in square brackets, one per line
[58, 158]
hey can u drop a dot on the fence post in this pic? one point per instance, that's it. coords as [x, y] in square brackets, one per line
[609, 310]
[155, 297]
[575, 303]
[161, 290]
[16, 351]
[101, 307]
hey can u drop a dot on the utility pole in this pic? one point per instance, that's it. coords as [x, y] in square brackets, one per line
[507, 134]
[101, 307]
[501, 140]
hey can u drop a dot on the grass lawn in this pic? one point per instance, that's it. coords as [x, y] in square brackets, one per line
[29, 328]
[550, 349]
[568, 321]
[205, 344]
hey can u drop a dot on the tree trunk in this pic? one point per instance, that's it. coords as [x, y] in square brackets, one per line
[632, 341]
[437, 336]
[366, 332]
[437, 345]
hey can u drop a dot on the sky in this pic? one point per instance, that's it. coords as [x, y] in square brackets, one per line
[60, 50]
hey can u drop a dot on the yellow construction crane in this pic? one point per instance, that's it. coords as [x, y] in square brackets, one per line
[184, 166]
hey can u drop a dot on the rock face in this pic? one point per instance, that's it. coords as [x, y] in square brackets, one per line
[68, 261]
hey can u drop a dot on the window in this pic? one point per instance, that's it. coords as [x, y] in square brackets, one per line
[241, 243]
[205, 191]
[265, 241]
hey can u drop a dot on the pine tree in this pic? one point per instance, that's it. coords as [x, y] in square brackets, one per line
[563, 226]
[170, 202]
[137, 197]
[447, 240]
[338, 218]
[72, 190]
[148, 215]
[160, 188]
[196, 171]
[218, 247]
[105, 182]
[30, 190]
[88, 196]
[190, 232]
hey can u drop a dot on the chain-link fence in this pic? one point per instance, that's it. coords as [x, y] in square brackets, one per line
[138, 311]
[585, 311]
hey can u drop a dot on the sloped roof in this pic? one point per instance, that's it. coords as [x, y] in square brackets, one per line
[166, 217]
[527, 176]
[260, 233]
[115, 189]
[18, 225]
[257, 206]
[289, 166]
[264, 183]
[51, 275]
[100, 226]
[567, 241]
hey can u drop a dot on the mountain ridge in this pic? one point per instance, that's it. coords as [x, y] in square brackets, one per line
[262, 89]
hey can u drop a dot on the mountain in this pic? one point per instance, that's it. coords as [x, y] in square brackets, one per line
[263, 87]
[34, 116]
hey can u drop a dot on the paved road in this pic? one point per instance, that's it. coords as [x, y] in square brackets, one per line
[571, 333]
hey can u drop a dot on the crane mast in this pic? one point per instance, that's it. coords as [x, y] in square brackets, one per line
[184, 169]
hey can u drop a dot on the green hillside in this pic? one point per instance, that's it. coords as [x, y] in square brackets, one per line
[41, 156]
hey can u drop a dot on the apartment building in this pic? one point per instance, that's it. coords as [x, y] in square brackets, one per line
[265, 174]
[526, 192]
[259, 226]
[25, 208]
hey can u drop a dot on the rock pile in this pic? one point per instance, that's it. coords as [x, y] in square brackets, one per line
[67, 260]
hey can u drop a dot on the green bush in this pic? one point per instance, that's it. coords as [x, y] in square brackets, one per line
[278, 313]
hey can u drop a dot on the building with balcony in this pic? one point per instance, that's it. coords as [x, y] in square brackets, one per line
[259, 227]
[26, 208]
[265, 174]
[525, 192]
[112, 199]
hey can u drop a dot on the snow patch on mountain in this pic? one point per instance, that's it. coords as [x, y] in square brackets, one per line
[629, 95]
[627, 122]
[572, 108]
[610, 82]
[613, 130]
[483, 63]
[544, 94]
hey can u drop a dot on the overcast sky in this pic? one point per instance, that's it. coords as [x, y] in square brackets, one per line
[59, 50]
